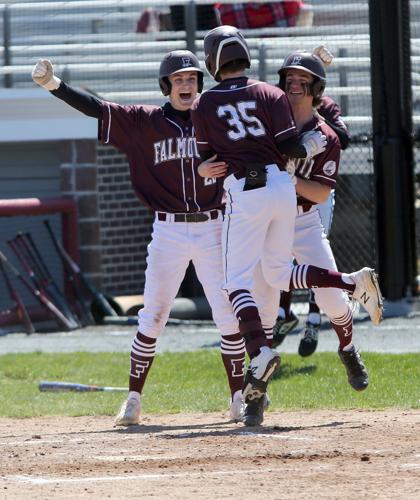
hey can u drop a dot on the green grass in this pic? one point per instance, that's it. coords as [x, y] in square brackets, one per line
[194, 382]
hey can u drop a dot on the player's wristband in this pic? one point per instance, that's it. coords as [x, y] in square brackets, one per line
[53, 84]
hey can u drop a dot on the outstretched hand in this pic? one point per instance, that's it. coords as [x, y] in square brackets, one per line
[212, 169]
[324, 54]
[43, 75]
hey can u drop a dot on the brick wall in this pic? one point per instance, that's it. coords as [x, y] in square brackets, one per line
[125, 226]
[114, 227]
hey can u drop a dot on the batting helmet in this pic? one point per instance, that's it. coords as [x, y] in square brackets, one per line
[175, 62]
[222, 45]
[305, 61]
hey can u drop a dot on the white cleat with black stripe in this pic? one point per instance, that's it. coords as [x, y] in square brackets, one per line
[368, 294]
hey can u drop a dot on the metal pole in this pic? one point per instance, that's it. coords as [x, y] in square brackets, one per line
[393, 146]
[262, 62]
[8, 82]
[190, 21]
[342, 76]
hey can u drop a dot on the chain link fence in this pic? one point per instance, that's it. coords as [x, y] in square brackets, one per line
[114, 48]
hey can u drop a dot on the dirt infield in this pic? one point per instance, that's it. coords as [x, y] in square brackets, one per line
[318, 454]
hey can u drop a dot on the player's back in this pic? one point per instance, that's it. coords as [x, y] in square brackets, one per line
[240, 119]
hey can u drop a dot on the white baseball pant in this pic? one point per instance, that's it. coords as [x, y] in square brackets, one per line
[259, 225]
[172, 247]
[311, 246]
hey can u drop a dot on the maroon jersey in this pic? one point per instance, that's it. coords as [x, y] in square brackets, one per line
[330, 110]
[322, 168]
[162, 153]
[241, 119]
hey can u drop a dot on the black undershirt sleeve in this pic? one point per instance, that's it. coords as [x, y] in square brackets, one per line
[292, 147]
[342, 135]
[205, 155]
[80, 100]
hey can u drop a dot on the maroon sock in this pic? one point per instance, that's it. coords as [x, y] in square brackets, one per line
[306, 276]
[313, 306]
[142, 355]
[344, 328]
[285, 301]
[232, 349]
[250, 326]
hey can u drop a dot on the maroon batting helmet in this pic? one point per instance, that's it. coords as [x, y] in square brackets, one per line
[175, 62]
[222, 45]
[305, 61]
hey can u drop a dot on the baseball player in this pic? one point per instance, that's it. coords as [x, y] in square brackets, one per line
[286, 321]
[161, 149]
[248, 124]
[303, 78]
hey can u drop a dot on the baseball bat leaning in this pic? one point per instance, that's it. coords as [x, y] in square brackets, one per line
[40, 295]
[34, 260]
[21, 311]
[83, 311]
[48, 386]
[98, 297]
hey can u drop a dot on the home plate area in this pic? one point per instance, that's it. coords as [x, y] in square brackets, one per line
[305, 454]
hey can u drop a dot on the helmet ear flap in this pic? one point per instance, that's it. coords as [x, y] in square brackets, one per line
[317, 88]
[200, 82]
[282, 82]
[165, 85]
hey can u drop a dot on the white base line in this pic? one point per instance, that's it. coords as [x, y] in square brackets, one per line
[41, 480]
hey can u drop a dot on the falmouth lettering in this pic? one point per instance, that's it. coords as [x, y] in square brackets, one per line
[175, 149]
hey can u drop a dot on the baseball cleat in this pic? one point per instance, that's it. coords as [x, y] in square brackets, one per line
[129, 413]
[284, 326]
[357, 374]
[368, 293]
[260, 370]
[254, 411]
[309, 341]
[237, 407]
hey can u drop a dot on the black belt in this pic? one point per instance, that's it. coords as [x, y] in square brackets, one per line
[189, 217]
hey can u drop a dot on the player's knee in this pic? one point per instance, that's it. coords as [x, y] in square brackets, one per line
[331, 301]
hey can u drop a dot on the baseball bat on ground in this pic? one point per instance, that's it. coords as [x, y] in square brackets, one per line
[33, 259]
[40, 295]
[48, 386]
[21, 311]
[101, 301]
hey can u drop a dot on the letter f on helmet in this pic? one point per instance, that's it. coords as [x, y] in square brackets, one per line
[223, 45]
[176, 61]
[308, 62]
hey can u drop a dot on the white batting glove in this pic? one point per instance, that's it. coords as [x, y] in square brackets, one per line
[314, 142]
[290, 169]
[43, 75]
[324, 54]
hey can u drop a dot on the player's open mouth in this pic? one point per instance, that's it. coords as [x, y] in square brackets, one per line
[185, 96]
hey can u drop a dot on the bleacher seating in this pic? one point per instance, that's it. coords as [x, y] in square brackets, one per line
[93, 44]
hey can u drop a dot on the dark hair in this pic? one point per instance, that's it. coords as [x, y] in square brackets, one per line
[316, 102]
[234, 66]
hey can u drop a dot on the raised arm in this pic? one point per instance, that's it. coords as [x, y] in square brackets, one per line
[43, 75]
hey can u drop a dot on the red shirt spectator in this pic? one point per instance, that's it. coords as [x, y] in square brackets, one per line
[259, 15]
